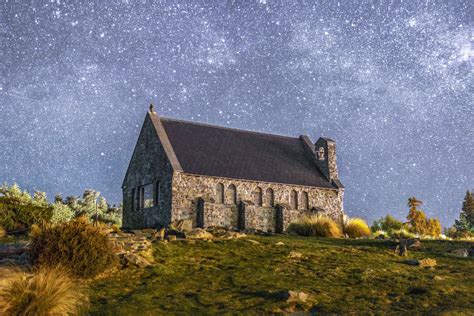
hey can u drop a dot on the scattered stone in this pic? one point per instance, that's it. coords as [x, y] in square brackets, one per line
[423, 263]
[414, 244]
[295, 297]
[184, 225]
[149, 231]
[171, 237]
[462, 252]
[438, 278]
[295, 255]
[199, 233]
[401, 249]
[136, 260]
[233, 235]
[253, 241]
[279, 244]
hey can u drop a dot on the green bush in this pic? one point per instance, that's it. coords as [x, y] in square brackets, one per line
[77, 245]
[356, 227]
[46, 292]
[387, 224]
[402, 233]
[315, 225]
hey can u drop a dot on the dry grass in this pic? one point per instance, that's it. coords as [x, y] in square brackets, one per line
[356, 227]
[48, 291]
[315, 225]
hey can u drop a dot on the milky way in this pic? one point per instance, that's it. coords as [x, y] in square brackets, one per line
[391, 83]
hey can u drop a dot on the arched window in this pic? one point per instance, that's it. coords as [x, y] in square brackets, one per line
[321, 153]
[220, 193]
[231, 194]
[257, 197]
[157, 193]
[269, 198]
[305, 200]
[294, 200]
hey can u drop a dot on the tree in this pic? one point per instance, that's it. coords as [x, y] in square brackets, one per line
[39, 198]
[61, 213]
[466, 217]
[434, 227]
[387, 224]
[416, 218]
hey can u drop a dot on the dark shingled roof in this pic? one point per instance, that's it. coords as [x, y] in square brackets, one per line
[224, 152]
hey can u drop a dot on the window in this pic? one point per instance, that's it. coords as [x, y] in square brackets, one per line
[132, 200]
[220, 193]
[305, 201]
[231, 194]
[269, 198]
[294, 199]
[157, 193]
[321, 153]
[257, 197]
[146, 196]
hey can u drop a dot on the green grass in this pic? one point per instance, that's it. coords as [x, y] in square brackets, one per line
[239, 277]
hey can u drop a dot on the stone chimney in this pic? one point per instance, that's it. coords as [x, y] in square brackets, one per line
[325, 151]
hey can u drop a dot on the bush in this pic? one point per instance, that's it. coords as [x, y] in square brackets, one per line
[315, 225]
[77, 245]
[356, 227]
[46, 292]
[387, 223]
[402, 234]
[61, 213]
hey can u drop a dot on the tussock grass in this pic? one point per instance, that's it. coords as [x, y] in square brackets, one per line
[3, 232]
[356, 227]
[49, 291]
[78, 246]
[315, 225]
[402, 233]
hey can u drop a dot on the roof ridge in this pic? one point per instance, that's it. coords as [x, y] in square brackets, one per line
[225, 127]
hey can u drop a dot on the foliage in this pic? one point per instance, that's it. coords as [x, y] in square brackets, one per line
[61, 213]
[19, 211]
[401, 234]
[356, 227]
[387, 224]
[465, 223]
[315, 225]
[419, 223]
[76, 245]
[46, 292]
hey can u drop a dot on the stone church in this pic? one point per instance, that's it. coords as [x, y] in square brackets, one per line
[218, 176]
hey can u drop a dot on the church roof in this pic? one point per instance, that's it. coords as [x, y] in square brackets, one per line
[225, 152]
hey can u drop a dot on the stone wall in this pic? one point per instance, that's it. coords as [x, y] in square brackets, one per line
[149, 164]
[221, 215]
[187, 189]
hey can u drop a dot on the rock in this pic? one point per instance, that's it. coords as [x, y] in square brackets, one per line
[462, 252]
[471, 252]
[401, 250]
[295, 255]
[199, 233]
[149, 231]
[184, 225]
[295, 296]
[233, 235]
[136, 260]
[414, 244]
[423, 263]
[279, 243]
[253, 241]
[171, 237]
[438, 278]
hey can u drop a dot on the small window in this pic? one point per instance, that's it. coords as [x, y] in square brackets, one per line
[321, 153]
[220, 193]
[231, 194]
[132, 200]
[157, 193]
[146, 196]
[269, 198]
[305, 200]
[294, 200]
[257, 197]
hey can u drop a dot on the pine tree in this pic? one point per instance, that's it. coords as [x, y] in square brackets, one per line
[466, 217]
[416, 217]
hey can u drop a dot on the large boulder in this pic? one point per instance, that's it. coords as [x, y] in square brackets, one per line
[183, 225]
[462, 252]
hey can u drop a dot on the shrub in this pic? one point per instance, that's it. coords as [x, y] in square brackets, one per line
[402, 233]
[356, 227]
[46, 292]
[61, 213]
[3, 232]
[77, 245]
[387, 223]
[315, 225]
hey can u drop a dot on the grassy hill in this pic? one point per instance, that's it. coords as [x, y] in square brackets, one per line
[241, 276]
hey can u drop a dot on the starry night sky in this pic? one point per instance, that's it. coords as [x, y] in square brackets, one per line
[392, 83]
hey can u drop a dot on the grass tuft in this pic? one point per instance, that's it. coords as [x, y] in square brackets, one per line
[315, 225]
[3, 232]
[49, 291]
[356, 227]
